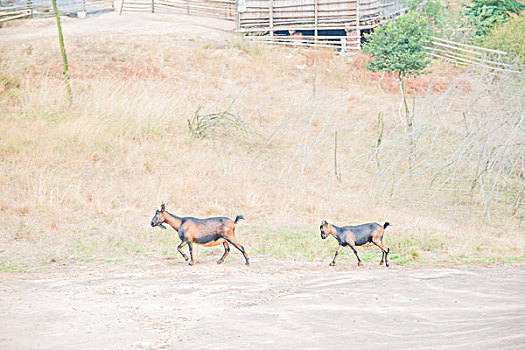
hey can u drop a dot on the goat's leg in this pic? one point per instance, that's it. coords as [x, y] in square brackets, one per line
[382, 258]
[233, 240]
[337, 252]
[384, 250]
[190, 245]
[226, 251]
[359, 261]
[179, 248]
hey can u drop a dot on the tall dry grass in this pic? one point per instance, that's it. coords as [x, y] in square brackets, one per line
[83, 182]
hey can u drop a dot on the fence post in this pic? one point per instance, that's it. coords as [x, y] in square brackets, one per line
[121, 7]
[30, 5]
[358, 24]
[316, 15]
[271, 17]
[237, 16]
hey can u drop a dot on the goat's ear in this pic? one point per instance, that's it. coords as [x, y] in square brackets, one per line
[162, 207]
[323, 223]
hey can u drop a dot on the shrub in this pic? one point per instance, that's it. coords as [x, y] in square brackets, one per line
[509, 37]
[398, 46]
[484, 15]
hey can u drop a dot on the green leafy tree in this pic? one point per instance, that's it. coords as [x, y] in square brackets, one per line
[399, 47]
[484, 15]
[433, 9]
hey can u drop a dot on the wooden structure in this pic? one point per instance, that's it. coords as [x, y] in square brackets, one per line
[218, 8]
[331, 23]
[469, 55]
[314, 22]
[17, 9]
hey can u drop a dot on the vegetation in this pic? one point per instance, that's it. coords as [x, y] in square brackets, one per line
[508, 37]
[62, 52]
[481, 23]
[80, 183]
[399, 46]
[484, 15]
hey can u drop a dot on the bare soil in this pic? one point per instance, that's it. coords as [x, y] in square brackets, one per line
[164, 304]
[209, 29]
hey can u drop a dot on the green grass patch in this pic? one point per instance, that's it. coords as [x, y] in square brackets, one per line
[15, 266]
[289, 243]
[491, 260]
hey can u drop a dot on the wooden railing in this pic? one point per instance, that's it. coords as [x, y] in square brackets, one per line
[219, 8]
[11, 13]
[343, 42]
[45, 9]
[469, 55]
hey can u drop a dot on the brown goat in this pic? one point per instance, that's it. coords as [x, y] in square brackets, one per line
[205, 232]
[353, 236]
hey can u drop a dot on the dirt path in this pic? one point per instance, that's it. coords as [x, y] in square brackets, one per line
[164, 304]
[208, 29]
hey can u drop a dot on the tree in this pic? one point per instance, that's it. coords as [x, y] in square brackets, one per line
[399, 47]
[63, 51]
[484, 15]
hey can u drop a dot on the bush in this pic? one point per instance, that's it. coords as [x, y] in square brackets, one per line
[509, 37]
[398, 46]
[484, 15]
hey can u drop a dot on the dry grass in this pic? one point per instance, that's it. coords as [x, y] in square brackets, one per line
[82, 182]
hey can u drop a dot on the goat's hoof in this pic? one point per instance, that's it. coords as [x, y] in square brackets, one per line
[360, 264]
[387, 265]
[381, 263]
[247, 263]
[220, 261]
[191, 263]
[332, 264]
[186, 258]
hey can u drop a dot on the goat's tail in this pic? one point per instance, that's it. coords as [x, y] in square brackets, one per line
[386, 225]
[239, 217]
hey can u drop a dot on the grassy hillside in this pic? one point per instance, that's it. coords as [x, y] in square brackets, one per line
[82, 182]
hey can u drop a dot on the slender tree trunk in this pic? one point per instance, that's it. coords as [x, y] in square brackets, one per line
[410, 124]
[336, 170]
[379, 137]
[63, 51]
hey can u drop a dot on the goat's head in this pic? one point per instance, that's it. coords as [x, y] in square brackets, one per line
[160, 217]
[326, 229]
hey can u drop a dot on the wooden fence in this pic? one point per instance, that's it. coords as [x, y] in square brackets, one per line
[320, 23]
[11, 13]
[468, 55]
[343, 42]
[219, 8]
[29, 9]
[269, 15]
[272, 15]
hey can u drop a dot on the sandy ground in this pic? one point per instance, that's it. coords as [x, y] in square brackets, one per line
[165, 304]
[181, 25]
